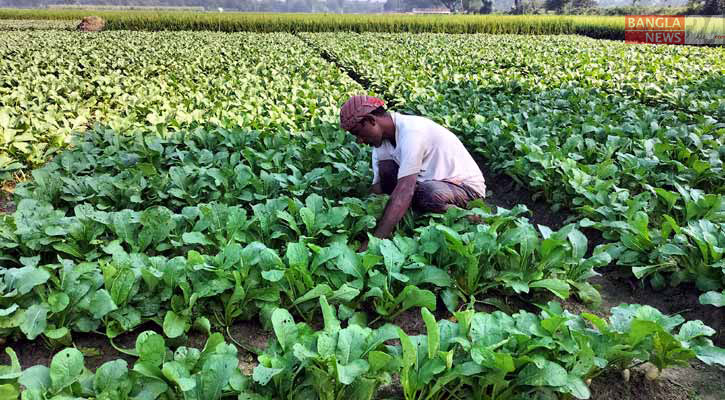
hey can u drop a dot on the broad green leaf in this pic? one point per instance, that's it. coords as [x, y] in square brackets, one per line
[351, 343]
[587, 293]
[345, 293]
[59, 301]
[412, 296]
[332, 324]
[694, 329]
[297, 255]
[433, 333]
[490, 329]
[410, 357]
[263, 375]
[490, 359]
[195, 238]
[556, 286]
[379, 360]
[110, 375]
[13, 370]
[66, 368]
[274, 275]
[347, 373]
[36, 379]
[284, 327]
[326, 344]
[8, 392]
[361, 389]
[577, 388]
[101, 304]
[578, 244]
[35, 321]
[26, 278]
[151, 348]
[215, 375]
[316, 292]
[710, 355]
[122, 285]
[9, 310]
[550, 374]
[151, 389]
[716, 299]
[174, 325]
[57, 334]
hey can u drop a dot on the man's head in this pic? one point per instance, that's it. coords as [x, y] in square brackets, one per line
[362, 117]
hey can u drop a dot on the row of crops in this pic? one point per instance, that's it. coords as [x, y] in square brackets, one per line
[219, 189]
[35, 24]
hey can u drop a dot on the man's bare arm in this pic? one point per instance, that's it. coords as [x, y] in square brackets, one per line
[398, 204]
[376, 189]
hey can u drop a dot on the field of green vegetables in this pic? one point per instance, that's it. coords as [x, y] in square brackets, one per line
[185, 182]
[629, 137]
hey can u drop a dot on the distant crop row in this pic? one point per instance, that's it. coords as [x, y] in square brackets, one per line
[602, 27]
[36, 24]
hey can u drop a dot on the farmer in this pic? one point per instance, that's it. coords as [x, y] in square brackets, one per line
[415, 160]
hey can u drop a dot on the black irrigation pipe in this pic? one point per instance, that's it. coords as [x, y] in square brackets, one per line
[366, 83]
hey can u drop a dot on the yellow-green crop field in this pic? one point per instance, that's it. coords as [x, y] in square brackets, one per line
[610, 27]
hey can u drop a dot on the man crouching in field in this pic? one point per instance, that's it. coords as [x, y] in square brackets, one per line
[415, 160]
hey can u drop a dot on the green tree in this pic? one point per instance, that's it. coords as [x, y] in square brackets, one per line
[713, 7]
[486, 7]
[556, 5]
[452, 5]
[583, 4]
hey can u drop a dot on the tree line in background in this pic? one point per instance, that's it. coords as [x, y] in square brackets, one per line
[605, 7]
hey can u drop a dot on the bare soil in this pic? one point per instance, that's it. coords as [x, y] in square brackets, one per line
[503, 191]
[97, 348]
[6, 197]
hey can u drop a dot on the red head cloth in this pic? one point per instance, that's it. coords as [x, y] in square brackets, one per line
[356, 108]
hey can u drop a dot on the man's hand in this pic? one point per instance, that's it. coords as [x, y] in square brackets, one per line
[363, 246]
[376, 189]
[398, 204]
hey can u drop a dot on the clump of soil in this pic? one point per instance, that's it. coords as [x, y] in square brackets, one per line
[6, 197]
[91, 24]
[611, 386]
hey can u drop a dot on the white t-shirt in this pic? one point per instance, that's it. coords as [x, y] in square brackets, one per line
[431, 151]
